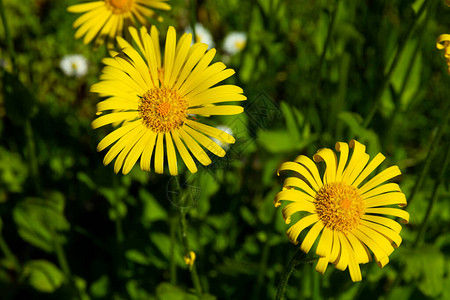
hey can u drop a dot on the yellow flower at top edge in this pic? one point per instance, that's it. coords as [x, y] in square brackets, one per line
[153, 97]
[347, 213]
[443, 42]
[106, 19]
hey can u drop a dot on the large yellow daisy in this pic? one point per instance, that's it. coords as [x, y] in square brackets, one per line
[107, 19]
[153, 99]
[345, 212]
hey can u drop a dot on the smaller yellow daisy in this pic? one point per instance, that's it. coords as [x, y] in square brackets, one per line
[443, 42]
[106, 19]
[347, 213]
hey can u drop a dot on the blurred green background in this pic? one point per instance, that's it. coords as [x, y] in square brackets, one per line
[314, 72]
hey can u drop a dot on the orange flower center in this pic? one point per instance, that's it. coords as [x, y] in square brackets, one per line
[339, 206]
[162, 109]
[119, 6]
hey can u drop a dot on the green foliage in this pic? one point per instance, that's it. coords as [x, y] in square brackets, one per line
[311, 70]
[41, 221]
[43, 275]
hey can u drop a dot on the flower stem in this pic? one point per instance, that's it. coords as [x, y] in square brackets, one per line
[61, 256]
[430, 154]
[182, 210]
[193, 19]
[387, 77]
[328, 39]
[173, 266]
[9, 42]
[295, 261]
[31, 151]
[7, 252]
[434, 196]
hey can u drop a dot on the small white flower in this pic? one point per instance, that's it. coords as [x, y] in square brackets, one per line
[234, 42]
[226, 129]
[202, 35]
[74, 65]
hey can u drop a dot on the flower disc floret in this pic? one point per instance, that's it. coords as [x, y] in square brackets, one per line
[163, 110]
[339, 206]
[119, 6]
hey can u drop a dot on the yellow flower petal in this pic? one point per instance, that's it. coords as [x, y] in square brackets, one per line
[342, 262]
[187, 158]
[115, 135]
[311, 237]
[298, 227]
[137, 151]
[376, 161]
[148, 152]
[386, 199]
[384, 221]
[159, 154]
[312, 168]
[195, 149]
[297, 206]
[389, 211]
[343, 149]
[330, 159]
[171, 155]
[217, 110]
[300, 169]
[212, 132]
[292, 195]
[385, 175]
[298, 183]
[355, 161]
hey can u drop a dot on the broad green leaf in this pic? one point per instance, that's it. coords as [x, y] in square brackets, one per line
[41, 221]
[152, 210]
[425, 265]
[99, 289]
[43, 275]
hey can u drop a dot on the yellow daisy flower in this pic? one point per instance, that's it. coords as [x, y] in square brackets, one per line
[443, 42]
[347, 213]
[107, 19]
[153, 99]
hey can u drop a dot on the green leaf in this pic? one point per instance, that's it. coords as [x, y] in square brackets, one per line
[20, 104]
[43, 275]
[170, 292]
[40, 221]
[426, 265]
[99, 289]
[152, 211]
[137, 257]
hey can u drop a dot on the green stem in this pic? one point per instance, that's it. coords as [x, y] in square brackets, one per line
[31, 153]
[434, 196]
[119, 230]
[315, 284]
[7, 251]
[194, 19]
[261, 270]
[387, 77]
[184, 235]
[173, 266]
[390, 134]
[430, 154]
[339, 101]
[327, 40]
[297, 259]
[9, 42]
[61, 256]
